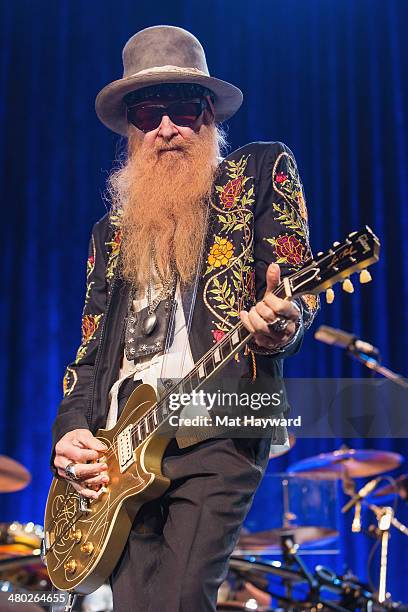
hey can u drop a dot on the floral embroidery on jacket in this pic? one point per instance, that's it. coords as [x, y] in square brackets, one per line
[220, 253]
[90, 324]
[69, 381]
[288, 183]
[290, 212]
[90, 267]
[230, 286]
[288, 249]
[311, 305]
[113, 246]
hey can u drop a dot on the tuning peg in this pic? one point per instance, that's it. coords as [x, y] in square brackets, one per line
[336, 244]
[365, 276]
[320, 253]
[348, 286]
[329, 296]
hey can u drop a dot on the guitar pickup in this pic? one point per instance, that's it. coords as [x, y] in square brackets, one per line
[125, 448]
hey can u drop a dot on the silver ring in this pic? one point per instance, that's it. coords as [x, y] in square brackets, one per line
[70, 472]
[279, 324]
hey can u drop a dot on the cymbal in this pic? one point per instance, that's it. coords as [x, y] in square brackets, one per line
[265, 542]
[13, 475]
[355, 463]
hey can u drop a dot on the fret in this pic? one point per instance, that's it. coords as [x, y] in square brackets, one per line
[201, 370]
[226, 347]
[135, 441]
[209, 364]
[187, 384]
[235, 337]
[194, 379]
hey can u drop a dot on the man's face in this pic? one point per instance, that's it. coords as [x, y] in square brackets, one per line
[169, 138]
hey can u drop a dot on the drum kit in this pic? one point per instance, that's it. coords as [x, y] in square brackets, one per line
[253, 582]
[257, 583]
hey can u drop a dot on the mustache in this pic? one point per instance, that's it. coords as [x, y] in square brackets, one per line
[176, 144]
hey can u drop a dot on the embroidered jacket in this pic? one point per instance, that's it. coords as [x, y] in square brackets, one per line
[258, 216]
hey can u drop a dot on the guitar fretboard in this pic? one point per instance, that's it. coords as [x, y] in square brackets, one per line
[212, 361]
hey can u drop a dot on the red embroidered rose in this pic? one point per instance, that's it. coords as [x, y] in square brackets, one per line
[289, 249]
[281, 178]
[218, 334]
[117, 239]
[90, 264]
[90, 324]
[231, 192]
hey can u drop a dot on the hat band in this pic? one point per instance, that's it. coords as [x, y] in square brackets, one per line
[175, 69]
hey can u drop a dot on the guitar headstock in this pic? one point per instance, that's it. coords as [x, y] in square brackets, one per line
[358, 251]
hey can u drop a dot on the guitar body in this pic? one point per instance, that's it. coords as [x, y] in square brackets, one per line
[83, 546]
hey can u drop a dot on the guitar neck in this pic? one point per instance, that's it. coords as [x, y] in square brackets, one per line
[213, 361]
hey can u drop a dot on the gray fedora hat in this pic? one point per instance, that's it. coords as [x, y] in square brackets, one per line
[162, 54]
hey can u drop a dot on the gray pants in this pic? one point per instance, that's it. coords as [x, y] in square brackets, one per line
[178, 550]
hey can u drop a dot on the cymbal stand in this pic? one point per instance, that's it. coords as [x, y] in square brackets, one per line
[385, 518]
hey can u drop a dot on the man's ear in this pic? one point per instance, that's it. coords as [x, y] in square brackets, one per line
[208, 117]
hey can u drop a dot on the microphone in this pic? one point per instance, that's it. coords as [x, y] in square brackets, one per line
[361, 494]
[343, 339]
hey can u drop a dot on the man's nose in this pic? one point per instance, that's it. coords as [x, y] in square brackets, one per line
[167, 128]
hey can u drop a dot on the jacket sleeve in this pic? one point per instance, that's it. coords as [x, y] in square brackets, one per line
[281, 228]
[77, 381]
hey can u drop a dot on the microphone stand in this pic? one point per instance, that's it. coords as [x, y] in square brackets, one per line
[373, 364]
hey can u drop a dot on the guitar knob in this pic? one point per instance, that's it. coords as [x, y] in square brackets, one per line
[329, 296]
[365, 276]
[76, 535]
[348, 286]
[70, 566]
[87, 548]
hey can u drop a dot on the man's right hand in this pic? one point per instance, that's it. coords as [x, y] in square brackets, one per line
[81, 447]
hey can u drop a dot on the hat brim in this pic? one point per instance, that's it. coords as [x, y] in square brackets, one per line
[111, 109]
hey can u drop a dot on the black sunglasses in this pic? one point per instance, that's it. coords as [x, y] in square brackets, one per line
[147, 116]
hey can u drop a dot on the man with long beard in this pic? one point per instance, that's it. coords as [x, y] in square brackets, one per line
[196, 231]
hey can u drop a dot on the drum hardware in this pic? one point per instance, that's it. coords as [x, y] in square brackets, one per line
[398, 487]
[350, 594]
[269, 541]
[385, 518]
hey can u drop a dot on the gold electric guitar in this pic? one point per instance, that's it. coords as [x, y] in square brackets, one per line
[84, 538]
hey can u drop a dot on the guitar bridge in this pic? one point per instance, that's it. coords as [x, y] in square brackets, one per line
[125, 448]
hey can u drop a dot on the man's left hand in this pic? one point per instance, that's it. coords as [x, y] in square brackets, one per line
[267, 311]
